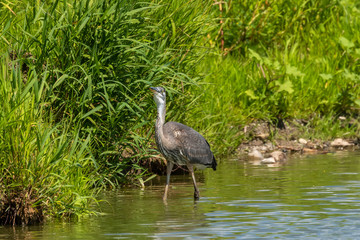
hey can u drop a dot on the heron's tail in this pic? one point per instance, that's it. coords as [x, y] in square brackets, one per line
[214, 163]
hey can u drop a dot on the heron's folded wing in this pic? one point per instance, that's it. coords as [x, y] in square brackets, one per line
[190, 143]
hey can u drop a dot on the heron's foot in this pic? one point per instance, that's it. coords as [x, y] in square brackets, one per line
[196, 195]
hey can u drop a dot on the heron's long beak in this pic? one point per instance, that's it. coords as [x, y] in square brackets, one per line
[153, 89]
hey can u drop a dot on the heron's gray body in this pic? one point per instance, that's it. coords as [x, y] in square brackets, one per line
[179, 143]
[182, 145]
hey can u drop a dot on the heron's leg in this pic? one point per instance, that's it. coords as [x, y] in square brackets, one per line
[169, 167]
[196, 190]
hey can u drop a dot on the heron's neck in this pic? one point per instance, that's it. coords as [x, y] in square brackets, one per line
[161, 138]
[161, 111]
[160, 121]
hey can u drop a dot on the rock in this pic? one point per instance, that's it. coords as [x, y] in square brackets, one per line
[259, 130]
[310, 150]
[262, 136]
[314, 151]
[269, 146]
[276, 157]
[289, 145]
[339, 142]
[255, 154]
[269, 160]
[279, 156]
[263, 148]
[302, 141]
[256, 142]
[317, 144]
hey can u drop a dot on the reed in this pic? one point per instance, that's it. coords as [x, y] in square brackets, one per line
[46, 168]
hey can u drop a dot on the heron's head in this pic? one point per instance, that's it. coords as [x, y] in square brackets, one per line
[159, 95]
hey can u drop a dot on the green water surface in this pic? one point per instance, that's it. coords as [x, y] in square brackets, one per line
[310, 197]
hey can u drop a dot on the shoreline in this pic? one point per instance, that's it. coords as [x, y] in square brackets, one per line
[266, 141]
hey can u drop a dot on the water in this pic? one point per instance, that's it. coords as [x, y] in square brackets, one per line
[310, 197]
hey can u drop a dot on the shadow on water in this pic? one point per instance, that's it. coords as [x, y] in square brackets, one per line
[309, 197]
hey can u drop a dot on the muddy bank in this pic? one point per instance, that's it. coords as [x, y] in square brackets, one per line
[19, 206]
[263, 139]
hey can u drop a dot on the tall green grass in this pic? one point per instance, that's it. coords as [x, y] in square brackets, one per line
[102, 57]
[281, 60]
[46, 169]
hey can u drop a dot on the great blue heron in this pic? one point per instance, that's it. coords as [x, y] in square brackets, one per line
[179, 143]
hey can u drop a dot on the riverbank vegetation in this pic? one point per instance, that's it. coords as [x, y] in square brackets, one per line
[76, 113]
[45, 167]
[297, 60]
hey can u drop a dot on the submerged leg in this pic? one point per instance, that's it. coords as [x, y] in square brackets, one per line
[196, 190]
[169, 167]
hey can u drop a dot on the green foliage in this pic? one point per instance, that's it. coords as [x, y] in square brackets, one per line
[281, 60]
[102, 56]
[45, 168]
[268, 23]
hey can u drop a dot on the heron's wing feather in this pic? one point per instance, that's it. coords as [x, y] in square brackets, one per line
[190, 143]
